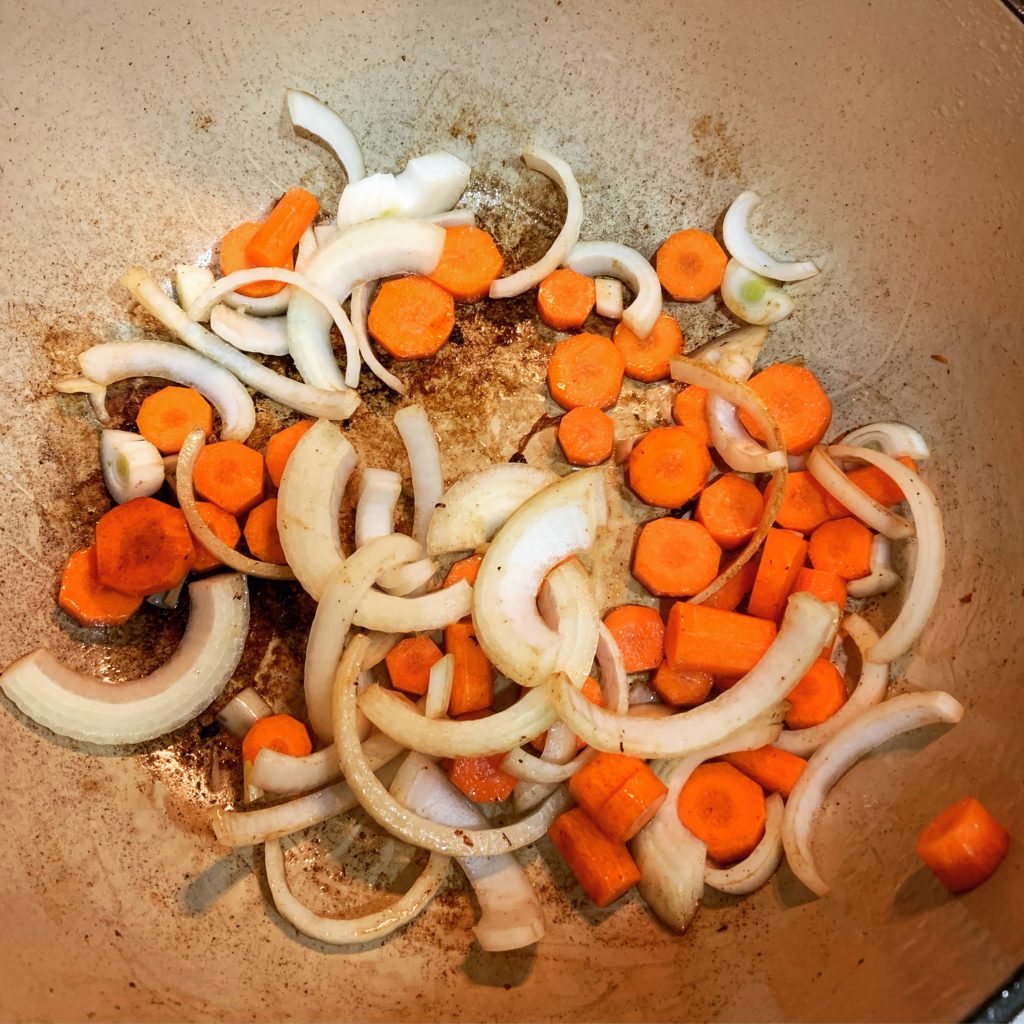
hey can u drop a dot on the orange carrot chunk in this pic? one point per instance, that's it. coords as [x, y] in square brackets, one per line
[690, 410]
[640, 633]
[274, 242]
[825, 586]
[964, 845]
[409, 663]
[87, 600]
[632, 805]
[282, 733]
[771, 768]
[465, 569]
[232, 258]
[225, 527]
[565, 299]
[143, 547]
[596, 782]
[482, 779]
[796, 400]
[874, 482]
[602, 866]
[730, 508]
[682, 689]
[817, 697]
[280, 448]
[805, 505]
[229, 474]
[585, 369]
[169, 415]
[470, 263]
[473, 683]
[701, 639]
[842, 546]
[261, 536]
[668, 466]
[647, 358]
[587, 436]
[690, 265]
[412, 317]
[725, 809]
[675, 557]
[730, 595]
[782, 558]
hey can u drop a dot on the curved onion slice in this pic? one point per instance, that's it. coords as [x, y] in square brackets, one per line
[108, 363]
[612, 259]
[190, 282]
[535, 769]
[336, 405]
[856, 500]
[379, 491]
[806, 627]
[736, 235]
[869, 730]
[561, 174]
[359, 314]
[399, 820]
[608, 297]
[568, 606]
[753, 298]
[883, 576]
[386, 613]
[614, 683]
[453, 218]
[556, 522]
[432, 183]
[190, 450]
[245, 708]
[762, 862]
[559, 749]
[893, 439]
[83, 708]
[267, 305]
[474, 508]
[740, 341]
[425, 462]
[870, 689]
[929, 560]
[132, 467]
[439, 688]
[408, 579]
[313, 116]
[266, 336]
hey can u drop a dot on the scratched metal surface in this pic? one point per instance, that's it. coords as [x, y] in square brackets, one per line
[136, 134]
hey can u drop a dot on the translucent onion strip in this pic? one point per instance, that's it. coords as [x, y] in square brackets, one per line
[386, 613]
[742, 247]
[266, 336]
[316, 118]
[359, 309]
[425, 462]
[608, 297]
[245, 708]
[893, 439]
[740, 341]
[883, 576]
[754, 871]
[379, 491]
[614, 682]
[535, 769]
[568, 606]
[439, 688]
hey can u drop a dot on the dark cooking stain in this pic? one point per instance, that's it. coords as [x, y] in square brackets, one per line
[542, 423]
[718, 153]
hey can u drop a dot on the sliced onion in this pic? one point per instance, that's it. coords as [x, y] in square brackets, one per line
[380, 646]
[614, 683]
[474, 508]
[930, 558]
[337, 405]
[388, 614]
[439, 688]
[535, 769]
[132, 467]
[753, 298]
[869, 730]
[561, 174]
[568, 606]
[453, 219]
[430, 184]
[608, 297]
[893, 439]
[641, 693]
[245, 708]
[425, 462]
[266, 336]
[560, 747]
[95, 392]
[268, 305]
[83, 708]
[740, 341]
[760, 864]
[883, 576]
[379, 491]
[796, 463]
[166, 599]
[612, 259]
[408, 579]
[108, 363]
[313, 116]
[624, 448]
[190, 282]
[807, 625]
[362, 294]
[736, 235]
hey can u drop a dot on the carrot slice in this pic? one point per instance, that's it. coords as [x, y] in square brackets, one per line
[465, 569]
[730, 508]
[647, 358]
[482, 779]
[771, 768]
[690, 265]
[873, 481]
[675, 557]
[225, 527]
[280, 448]
[585, 369]
[169, 415]
[702, 639]
[274, 242]
[805, 504]
[587, 436]
[473, 683]
[282, 733]
[602, 866]
[412, 317]
[782, 558]
[817, 697]
[683, 689]
[725, 809]
[261, 536]
[796, 400]
[632, 805]
[470, 262]
[232, 258]
[409, 663]
[668, 466]
[690, 410]
[729, 597]
[143, 547]
[825, 586]
[229, 474]
[87, 600]
[640, 634]
[842, 546]
[565, 299]
[596, 782]
[963, 845]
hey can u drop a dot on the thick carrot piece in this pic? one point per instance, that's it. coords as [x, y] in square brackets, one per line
[647, 358]
[668, 466]
[675, 557]
[690, 265]
[412, 317]
[602, 866]
[169, 415]
[87, 600]
[261, 536]
[632, 805]
[690, 410]
[274, 242]
[729, 596]
[232, 258]
[226, 528]
[280, 448]
[682, 689]
[595, 783]
[842, 546]
[730, 508]
[482, 779]
[143, 547]
[465, 569]
[282, 733]
[771, 768]
[565, 299]
[585, 369]
[782, 558]
[409, 663]
[587, 436]
[702, 639]
[874, 482]
[825, 586]
[640, 634]
[473, 684]
[964, 845]
[470, 263]
[796, 400]
[229, 474]
[805, 504]
[817, 697]
[725, 809]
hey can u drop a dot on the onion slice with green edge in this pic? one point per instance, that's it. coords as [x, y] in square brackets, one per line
[893, 439]
[190, 451]
[870, 689]
[266, 336]
[439, 688]
[883, 576]
[379, 491]
[530, 768]
[742, 247]
[807, 626]
[743, 397]
[244, 709]
[132, 467]
[474, 508]
[929, 560]
[386, 613]
[753, 298]
[420, 443]
[561, 174]
[315, 117]
[359, 313]
[510, 913]
[335, 405]
[84, 708]
[831, 762]
[740, 341]
[754, 871]
[556, 522]
[568, 606]
[399, 820]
